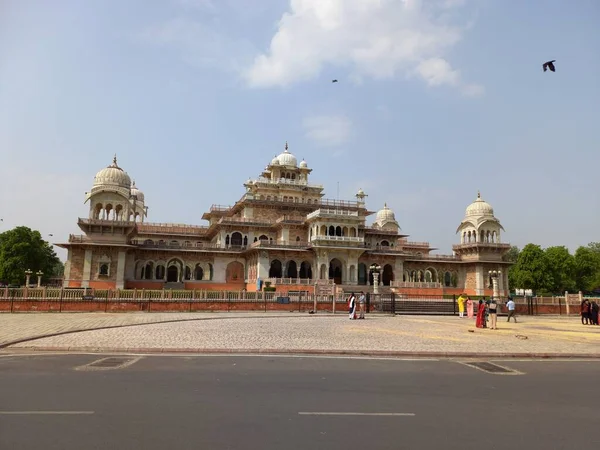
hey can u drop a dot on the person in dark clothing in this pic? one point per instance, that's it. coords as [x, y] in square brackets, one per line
[594, 313]
[585, 312]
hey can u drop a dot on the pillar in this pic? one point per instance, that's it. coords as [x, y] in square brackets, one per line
[67, 273]
[87, 269]
[121, 270]
[479, 280]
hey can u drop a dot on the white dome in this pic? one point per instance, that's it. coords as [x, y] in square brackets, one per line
[112, 175]
[479, 208]
[303, 164]
[385, 215]
[275, 161]
[287, 159]
[135, 191]
[360, 192]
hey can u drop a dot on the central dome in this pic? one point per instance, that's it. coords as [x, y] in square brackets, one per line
[112, 175]
[479, 208]
[385, 215]
[287, 159]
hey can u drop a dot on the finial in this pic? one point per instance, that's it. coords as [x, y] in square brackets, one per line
[478, 194]
[115, 159]
[385, 205]
[133, 183]
[286, 146]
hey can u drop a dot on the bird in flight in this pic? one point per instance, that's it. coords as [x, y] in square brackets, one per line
[334, 81]
[549, 65]
[50, 235]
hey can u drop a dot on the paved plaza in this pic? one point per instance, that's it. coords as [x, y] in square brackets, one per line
[301, 333]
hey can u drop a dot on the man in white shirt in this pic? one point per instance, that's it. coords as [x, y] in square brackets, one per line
[511, 309]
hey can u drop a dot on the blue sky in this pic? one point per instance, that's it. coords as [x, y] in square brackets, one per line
[436, 100]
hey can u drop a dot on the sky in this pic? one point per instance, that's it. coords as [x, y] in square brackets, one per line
[436, 100]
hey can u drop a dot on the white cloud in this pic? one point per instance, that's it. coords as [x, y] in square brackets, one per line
[375, 38]
[328, 131]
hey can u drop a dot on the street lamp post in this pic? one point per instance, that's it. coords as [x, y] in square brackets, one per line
[39, 274]
[375, 268]
[28, 273]
[495, 275]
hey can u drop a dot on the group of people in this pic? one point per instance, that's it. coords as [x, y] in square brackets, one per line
[352, 305]
[487, 311]
[589, 312]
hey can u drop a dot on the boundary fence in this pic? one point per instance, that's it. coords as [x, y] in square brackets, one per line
[49, 299]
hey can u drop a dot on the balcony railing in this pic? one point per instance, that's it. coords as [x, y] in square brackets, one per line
[420, 285]
[434, 257]
[244, 221]
[323, 212]
[279, 244]
[497, 245]
[406, 243]
[219, 208]
[107, 222]
[170, 228]
[179, 246]
[301, 281]
[356, 239]
[268, 181]
[78, 238]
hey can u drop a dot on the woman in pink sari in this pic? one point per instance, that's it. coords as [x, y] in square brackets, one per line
[469, 308]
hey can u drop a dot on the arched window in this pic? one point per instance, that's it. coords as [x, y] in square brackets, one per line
[103, 270]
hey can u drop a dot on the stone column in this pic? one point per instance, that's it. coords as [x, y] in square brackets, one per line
[120, 284]
[479, 280]
[87, 269]
[375, 282]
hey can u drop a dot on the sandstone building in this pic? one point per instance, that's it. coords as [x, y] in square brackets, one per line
[282, 231]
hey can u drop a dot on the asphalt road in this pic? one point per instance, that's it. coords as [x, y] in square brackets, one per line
[162, 402]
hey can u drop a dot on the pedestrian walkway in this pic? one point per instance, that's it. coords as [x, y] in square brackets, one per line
[300, 333]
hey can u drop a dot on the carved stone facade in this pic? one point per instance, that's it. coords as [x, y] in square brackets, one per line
[282, 231]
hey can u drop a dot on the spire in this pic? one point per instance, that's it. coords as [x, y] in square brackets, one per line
[115, 159]
[478, 194]
[286, 146]
[385, 205]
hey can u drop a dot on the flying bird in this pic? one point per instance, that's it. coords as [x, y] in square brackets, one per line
[50, 235]
[334, 81]
[549, 65]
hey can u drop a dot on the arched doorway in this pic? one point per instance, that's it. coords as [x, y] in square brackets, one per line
[335, 270]
[388, 275]
[198, 273]
[234, 272]
[236, 239]
[172, 274]
[292, 269]
[305, 270]
[362, 273]
[275, 270]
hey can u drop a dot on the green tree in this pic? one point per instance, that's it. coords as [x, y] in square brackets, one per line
[595, 248]
[587, 266]
[22, 248]
[562, 269]
[532, 270]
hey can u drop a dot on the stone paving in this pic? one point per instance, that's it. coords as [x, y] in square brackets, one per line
[318, 333]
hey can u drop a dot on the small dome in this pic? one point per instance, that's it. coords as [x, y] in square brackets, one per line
[479, 208]
[275, 161]
[135, 191]
[112, 175]
[360, 193]
[385, 215]
[303, 164]
[287, 159]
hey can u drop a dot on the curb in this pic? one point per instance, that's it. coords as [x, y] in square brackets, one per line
[313, 352]
[109, 327]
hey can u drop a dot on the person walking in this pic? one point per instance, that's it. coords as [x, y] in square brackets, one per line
[510, 304]
[352, 306]
[461, 306]
[469, 308]
[493, 311]
[361, 304]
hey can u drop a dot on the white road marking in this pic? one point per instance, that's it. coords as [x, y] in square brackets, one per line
[26, 413]
[353, 414]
